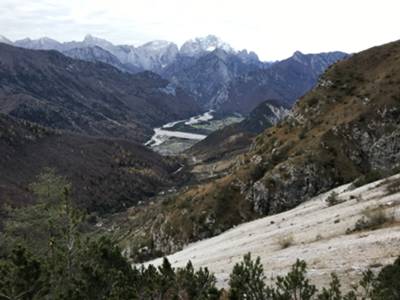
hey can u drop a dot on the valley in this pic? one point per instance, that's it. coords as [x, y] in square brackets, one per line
[175, 137]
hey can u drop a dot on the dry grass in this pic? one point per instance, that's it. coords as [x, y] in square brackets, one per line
[285, 241]
[393, 187]
[373, 218]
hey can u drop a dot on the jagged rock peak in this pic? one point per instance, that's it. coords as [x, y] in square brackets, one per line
[200, 45]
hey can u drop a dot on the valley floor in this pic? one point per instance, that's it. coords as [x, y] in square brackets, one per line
[175, 137]
[320, 234]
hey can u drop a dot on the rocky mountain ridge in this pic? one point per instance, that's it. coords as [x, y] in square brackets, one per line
[153, 56]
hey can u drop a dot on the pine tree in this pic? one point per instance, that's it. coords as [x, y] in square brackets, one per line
[333, 292]
[197, 285]
[103, 273]
[386, 286]
[167, 278]
[247, 280]
[21, 277]
[295, 285]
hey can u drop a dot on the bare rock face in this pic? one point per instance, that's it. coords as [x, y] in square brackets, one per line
[288, 188]
[365, 147]
[98, 54]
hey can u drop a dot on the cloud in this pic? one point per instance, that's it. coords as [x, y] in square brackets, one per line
[274, 29]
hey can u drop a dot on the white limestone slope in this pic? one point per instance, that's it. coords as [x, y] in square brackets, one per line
[319, 238]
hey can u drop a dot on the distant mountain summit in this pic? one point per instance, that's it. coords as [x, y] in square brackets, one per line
[98, 54]
[44, 43]
[199, 46]
[156, 55]
[208, 75]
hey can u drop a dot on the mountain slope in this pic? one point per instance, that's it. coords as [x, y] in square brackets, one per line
[91, 98]
[156, 55]
[237, 138]
[107, 175]
[285, 80]
[97, 54]
[202, 45]
[313, 227]
[208, 74]
[345, 128]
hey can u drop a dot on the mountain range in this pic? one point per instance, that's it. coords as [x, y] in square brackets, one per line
[152, 56]
[218, 76]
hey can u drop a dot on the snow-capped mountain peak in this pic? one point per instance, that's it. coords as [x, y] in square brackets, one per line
[43, 43]
[157, 45]
[200, 45]
[95, 41]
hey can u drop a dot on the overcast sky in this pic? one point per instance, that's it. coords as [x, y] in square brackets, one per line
[273, 29]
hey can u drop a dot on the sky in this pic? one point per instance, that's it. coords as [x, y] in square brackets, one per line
[273, 29]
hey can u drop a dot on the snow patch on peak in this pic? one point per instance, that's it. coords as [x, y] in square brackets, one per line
[157, 44]
[200, 45]
[210, 48]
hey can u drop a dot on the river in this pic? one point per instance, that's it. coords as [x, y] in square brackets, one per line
[163, 134]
